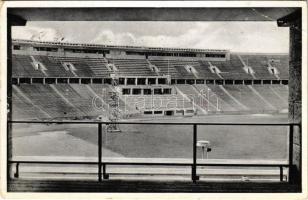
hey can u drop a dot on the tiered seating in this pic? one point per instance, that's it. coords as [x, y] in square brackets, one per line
[46, 98]
[80, 64]
[22, 109]
[175, 68]
[196, 97]
[246, 96]
[87, 67]
[232, 69]
[22, 67]
[53, 66]
[204, 71]
[259, 64]
[224, 102]
[133, 67]
[82, 102]
[267, 92]
[282, 65]
[281, 90]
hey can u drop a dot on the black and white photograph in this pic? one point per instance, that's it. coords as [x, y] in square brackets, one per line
[155, 98]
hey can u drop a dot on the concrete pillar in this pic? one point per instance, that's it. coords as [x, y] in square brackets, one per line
[12, 20]
[294, 21]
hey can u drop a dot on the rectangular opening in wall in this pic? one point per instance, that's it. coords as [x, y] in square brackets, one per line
[126, 91]
[107, 81]
[38, 80]
[169, 112]
[157, 91]
[16, 47]
[50, 80]
[162, 81]
[209, 82]
[62, 80]
[190, 81]
[73, 80]
[141, 81]
[14, 81]
[167, 91]
[25, 80]
[149, 112]
[285, 82]
[180, 81]
[257, 82]
[85, 81]
[173, 81]
[136, 91]
[151, 81]
[97, 80]
[267, 81]
[219, 82]
[238, 82]
[199, 81]
[158, 112]
[276, 82]
[248, 82]
[121, 81]
[228, 82]
[147, 91]
[130, 81]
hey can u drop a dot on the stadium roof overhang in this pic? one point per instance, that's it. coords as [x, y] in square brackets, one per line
[152, 14]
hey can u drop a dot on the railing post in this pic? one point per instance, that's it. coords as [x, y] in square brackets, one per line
[105, 175]
[16, 175]
[99, 152]
[194, 176]
[290, 152]
[281, 173]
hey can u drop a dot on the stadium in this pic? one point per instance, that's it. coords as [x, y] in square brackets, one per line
[88, 112]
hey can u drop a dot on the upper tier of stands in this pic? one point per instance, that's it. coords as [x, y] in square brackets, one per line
[232, 69]
[259, 64]
[53, 66]
[132, 67]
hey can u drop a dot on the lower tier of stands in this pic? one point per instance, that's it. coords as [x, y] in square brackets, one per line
[78, 101]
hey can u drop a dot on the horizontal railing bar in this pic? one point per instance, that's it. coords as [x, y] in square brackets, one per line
[52, 162]
[146, 163]
[155, 123]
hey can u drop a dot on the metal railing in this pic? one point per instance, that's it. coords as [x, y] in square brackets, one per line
[194, 177]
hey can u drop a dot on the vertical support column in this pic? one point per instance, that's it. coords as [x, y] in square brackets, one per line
[290, 154]
[281, 173]
[99, 152]
[194, 176]
[12, 20]
[294, 22]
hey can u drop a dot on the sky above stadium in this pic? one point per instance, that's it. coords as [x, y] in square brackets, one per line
[235, 36]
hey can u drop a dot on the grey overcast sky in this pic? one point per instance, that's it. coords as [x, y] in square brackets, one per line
[235, 36]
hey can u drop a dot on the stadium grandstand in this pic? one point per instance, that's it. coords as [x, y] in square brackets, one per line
[148, 81]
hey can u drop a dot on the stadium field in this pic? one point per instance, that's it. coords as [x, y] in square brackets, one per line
[152, 141]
